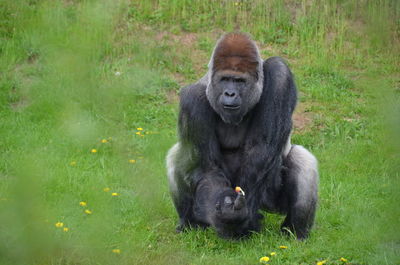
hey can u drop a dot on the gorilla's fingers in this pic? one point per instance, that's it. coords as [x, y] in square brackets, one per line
[239, 202]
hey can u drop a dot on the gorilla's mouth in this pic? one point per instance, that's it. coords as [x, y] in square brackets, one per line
[231, 107]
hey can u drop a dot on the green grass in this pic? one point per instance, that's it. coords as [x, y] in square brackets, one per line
[75, 72]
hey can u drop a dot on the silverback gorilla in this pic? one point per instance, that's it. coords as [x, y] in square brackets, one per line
[234, 130]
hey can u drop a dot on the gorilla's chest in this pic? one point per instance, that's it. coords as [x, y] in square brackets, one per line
[231, 139]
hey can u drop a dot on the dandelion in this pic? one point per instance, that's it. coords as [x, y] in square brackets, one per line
[93, 150]
[236, 3]
[83, 204]
[114, 194]
[239, 190]
[117, 73]
[116, 251]
[264, 259]
[88, 211]
[65, 229]
[343, 259]
[104, 141]
[139, 129]
[137, 133]
[322, 262]
[59, 224]
[73, 163]
[283, 247]
[273, 253]
[106, 189]
[132, 161]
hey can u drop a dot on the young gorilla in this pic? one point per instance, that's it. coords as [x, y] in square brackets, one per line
[234, 130]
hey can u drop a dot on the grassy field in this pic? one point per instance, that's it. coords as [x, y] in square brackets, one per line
[89, 105]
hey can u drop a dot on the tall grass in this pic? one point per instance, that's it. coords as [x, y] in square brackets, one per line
[84, 75]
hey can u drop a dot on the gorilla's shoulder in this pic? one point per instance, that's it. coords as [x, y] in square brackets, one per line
[277, 65]
[193, 97]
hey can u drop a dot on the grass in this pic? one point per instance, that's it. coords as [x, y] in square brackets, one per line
[76, 72]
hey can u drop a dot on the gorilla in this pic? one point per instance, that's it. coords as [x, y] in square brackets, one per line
[234, 130]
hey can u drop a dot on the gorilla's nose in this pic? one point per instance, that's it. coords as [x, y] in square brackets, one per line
[230, 93]
[230, 99]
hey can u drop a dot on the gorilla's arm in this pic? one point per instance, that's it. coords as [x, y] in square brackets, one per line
[196, 127]
[268, 135]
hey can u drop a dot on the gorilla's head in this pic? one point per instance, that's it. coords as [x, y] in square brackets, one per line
[235, 77]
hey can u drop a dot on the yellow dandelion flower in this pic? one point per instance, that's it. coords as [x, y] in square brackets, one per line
[141, 135]
[137, 133]
[114, 194]
[343, 259]
[273, 253]
[106, 189]
[139, 129]
[237, 3]
[65, 229]
[264, 259]
[73, 163]
[116, 251]
[93, 150]
[88, 211]
[283, 247]
[132, 161]
[83, 204]
[322, 262]
[59, 224]
[239, 190]
[104, 141]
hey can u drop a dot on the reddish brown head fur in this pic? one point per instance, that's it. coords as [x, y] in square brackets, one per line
[236, 52]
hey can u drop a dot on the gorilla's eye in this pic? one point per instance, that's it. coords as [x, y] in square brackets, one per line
[233, 79]
[239, 80]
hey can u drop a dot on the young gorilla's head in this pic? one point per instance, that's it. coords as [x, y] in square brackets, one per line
[235, 77]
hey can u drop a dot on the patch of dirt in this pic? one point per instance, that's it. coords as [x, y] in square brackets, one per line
[295, 9]
[20, 91]
[172, 97]
[180, 79]
[187, 39]
[20, 105]
[302, 118]
[161, 35]
[357, 26]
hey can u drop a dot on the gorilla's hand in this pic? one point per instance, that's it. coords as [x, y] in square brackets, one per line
[231, 215]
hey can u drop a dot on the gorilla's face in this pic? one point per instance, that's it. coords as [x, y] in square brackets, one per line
[232, 95]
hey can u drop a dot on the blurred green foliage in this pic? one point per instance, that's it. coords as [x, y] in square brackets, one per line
[76, 72]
